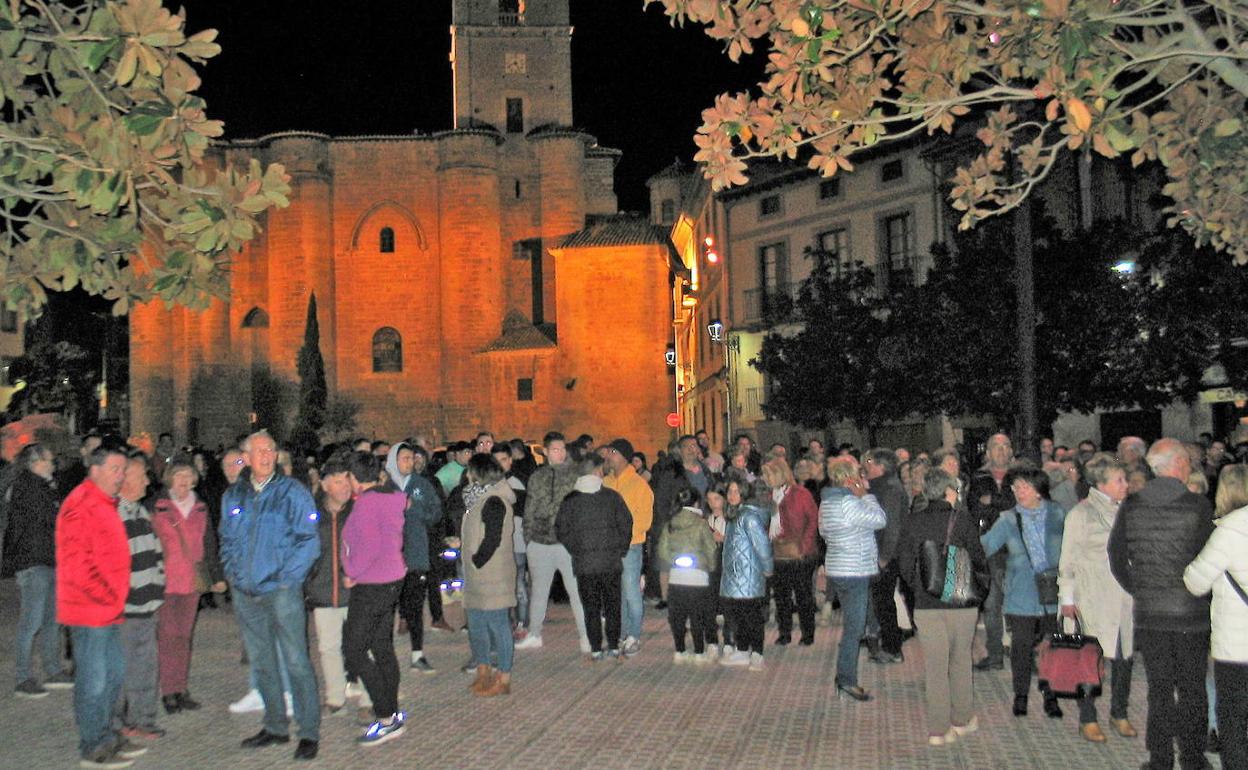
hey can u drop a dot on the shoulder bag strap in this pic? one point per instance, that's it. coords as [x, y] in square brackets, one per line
[1018, 519]
[1238, 588]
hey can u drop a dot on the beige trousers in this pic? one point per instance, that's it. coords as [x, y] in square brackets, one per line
[945, 637]
[328, 621]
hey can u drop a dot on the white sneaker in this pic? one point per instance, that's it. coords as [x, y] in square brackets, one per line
[630, 645]
[951, 736]
[248, 703]
[290, 706]
[702, 659]
[585, 648]
[726, 650]
[532, 642]
[756, 662]
[967, 728]
[935, 740]
[354, 690]
[739, 658]
[681, 658]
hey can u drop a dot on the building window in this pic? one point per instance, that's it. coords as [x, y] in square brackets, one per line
[515, 116]
[892, 171]
[834, 244]
[517, 189]
[524, 389]
[897, 249]
[8, 320]
[256, 318]
[830, 188]
[526, 249]
[387, 350]
[772, 297]
[386, 239]
[773, 266]
[510, 12]
[667, 211]
[769, 206]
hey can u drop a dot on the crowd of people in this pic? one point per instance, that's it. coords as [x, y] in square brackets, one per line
[122, 548]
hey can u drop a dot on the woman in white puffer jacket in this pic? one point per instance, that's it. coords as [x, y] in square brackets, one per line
[1221, 565]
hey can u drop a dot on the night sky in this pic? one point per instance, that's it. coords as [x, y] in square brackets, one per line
[380, 67]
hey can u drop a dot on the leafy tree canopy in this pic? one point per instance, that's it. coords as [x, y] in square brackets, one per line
[1157, 80]
[1104, 339]
[104, 178]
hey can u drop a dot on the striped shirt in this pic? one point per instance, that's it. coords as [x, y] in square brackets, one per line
[147, 561]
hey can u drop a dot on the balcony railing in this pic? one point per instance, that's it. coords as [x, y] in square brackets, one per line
[770, 304]
[510, 19]
[753, 409]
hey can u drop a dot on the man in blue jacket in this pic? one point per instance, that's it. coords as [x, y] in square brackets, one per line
[269, 541]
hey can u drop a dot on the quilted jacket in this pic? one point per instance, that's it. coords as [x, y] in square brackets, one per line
[1226, 552]
[746, 561]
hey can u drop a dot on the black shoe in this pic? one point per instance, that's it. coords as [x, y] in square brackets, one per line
[857, 693]
[989, 664]
[306, 749]
[172, 704]
[806, 641]
[262, 739]
[783, 639]
[1215, 743]
[1051, 709]
[186, 702]
[1020, 705]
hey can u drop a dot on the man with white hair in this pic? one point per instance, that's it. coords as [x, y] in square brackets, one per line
[1158, 532]
[1131, 450]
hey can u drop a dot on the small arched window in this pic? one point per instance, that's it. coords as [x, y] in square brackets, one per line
[256, 318]
[387, 240]
[387, 350]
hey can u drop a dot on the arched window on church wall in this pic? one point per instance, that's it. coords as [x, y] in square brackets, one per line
[387, 350]
[387, 241]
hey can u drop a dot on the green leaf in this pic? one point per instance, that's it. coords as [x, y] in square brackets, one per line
[207, 240]
[100, 51]
[1119, 141]
[141, 124]
[1228, 127]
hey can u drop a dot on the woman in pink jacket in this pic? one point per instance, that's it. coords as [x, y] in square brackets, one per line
[180, 520]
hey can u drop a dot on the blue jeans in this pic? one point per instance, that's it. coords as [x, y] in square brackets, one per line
[99, 670]
[489, 636]
[37, 587]
[631, 604]
[253, 682]
[853, 594]
[269, 621]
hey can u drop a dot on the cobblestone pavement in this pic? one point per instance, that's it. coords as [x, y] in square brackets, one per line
[564, 713]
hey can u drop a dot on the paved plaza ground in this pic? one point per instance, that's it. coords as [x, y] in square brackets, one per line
[563, 713]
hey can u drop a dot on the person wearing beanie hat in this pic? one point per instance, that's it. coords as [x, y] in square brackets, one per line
[640, 501]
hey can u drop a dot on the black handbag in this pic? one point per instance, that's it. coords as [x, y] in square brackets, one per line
[1046, 581]
[948, 573]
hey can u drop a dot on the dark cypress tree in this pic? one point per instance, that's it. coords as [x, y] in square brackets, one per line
[313, 393]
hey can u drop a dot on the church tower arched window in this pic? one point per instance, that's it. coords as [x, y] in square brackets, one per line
[387, 350]
[387, 240]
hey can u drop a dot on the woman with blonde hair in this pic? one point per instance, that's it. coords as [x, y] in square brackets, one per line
[1088, 590]
[192, 567]
[1222, 566]
[794, 549]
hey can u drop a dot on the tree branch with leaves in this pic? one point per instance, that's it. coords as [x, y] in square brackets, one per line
[106, 179]
[1158, 80]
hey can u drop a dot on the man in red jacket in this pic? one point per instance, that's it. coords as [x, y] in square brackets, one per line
[92, 582]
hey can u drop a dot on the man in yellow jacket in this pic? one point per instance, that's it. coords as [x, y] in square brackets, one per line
[640, 500]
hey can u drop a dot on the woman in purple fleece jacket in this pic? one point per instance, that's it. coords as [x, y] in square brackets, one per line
[372, 556]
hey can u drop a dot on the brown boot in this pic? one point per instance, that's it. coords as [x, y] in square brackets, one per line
[483, 680]
[501, 685]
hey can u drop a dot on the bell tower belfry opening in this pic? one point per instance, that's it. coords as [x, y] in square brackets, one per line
[511, 63]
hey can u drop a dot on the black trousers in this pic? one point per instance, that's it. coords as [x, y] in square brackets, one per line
[1232, 681]
[600, 596]
[1175, 662]
[368, 643]
[794, 586]
[747, 616]
[1026, 631]
[412, 606]
[883, 587]
[690, 606]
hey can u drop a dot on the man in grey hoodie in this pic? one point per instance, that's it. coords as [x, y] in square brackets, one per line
[424, 509]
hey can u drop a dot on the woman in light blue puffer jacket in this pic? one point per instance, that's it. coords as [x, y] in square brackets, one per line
[848, 519]
[746, 565]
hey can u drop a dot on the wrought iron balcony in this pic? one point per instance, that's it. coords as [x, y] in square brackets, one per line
[770, 304]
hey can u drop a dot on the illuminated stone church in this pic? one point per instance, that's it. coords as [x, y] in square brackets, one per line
[476, 278]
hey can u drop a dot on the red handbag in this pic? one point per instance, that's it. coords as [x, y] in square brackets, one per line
[1071, 665]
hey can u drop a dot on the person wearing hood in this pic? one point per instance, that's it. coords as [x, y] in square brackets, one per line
[747, 565]
[520, 614]
[1158, 532]
[595, 525]
[424, 510]
[687, 550]
[489, 574]
[849, 515]
[1222, 567]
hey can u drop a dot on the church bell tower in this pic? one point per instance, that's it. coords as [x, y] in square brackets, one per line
[511, 61]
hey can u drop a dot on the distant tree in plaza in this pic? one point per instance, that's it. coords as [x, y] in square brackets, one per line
[1159, 81]
[104, 179]
[313, 393]
[341, 415]
[58, 376]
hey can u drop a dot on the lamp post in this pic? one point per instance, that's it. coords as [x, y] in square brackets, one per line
[720, 335]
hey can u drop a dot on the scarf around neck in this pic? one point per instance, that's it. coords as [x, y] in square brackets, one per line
[472, 494]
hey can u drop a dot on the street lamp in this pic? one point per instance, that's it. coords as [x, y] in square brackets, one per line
[719, 335]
